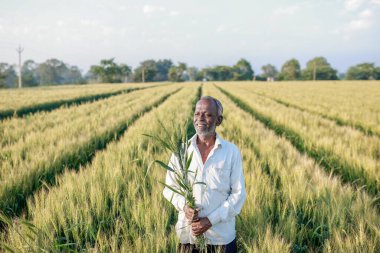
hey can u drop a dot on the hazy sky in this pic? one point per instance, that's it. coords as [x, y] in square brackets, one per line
[200, 33]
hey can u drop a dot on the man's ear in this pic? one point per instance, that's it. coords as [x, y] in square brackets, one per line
[219, 120]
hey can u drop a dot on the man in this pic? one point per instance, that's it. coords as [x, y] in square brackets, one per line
[219, 166]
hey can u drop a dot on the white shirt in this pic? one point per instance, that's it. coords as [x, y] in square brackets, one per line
[221, 199]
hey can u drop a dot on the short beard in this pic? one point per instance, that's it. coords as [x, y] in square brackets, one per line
[206, 133]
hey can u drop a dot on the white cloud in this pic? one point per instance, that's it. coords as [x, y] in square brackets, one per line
[60, 23]
[150, 9]
[174, 13]
[376, 2]
[366, 13]
[359, 24]
[291, 10]
[352, 5]
[88, 22]
[220, 29]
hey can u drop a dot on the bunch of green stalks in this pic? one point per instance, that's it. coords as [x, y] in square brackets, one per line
[178, 144]
[97, 209]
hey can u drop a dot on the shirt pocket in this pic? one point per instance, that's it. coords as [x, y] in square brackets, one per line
[219, 177]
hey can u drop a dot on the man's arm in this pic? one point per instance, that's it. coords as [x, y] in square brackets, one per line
[176, 199]
[234, 203]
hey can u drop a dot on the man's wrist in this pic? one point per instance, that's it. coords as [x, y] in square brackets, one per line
[208, 222]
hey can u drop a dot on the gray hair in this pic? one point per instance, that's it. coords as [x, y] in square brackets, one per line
[219, 106]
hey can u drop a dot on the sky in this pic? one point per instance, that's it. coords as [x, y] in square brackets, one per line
[199, 33]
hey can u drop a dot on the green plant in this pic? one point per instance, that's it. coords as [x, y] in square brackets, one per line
[178, 143]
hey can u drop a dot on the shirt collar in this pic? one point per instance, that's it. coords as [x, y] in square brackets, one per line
[218, 140]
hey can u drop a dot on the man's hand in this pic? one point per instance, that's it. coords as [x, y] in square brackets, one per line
[200, 226]
[191, 214]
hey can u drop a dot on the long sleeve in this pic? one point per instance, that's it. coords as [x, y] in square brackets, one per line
[176, 199]
[234, 203]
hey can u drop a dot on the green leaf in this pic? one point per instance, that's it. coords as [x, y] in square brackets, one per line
[164, 165]
[200, 183]
[182, 184]
[5, 219]
[7, 247]
[189, 160]
[174, 190]
[163, 143]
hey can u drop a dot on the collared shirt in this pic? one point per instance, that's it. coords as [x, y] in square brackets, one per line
[221, 199]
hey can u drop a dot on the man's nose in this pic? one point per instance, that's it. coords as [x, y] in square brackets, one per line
[202, 115]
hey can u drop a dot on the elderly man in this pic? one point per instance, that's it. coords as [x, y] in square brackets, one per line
[219, 166]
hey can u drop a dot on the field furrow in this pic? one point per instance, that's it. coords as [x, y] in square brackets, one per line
[341, 150]
[110, 205]
[339, 121]
[15, 130]
[34, 161]
[292, 204]
[81, 178]
[27, 104]
[355, 103]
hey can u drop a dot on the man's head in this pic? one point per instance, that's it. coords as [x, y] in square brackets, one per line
[207, 116]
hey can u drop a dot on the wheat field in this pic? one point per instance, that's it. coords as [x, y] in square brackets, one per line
[78, 176]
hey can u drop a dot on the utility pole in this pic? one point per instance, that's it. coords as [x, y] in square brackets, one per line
[315, 72]
[143, 75]
[19, 51]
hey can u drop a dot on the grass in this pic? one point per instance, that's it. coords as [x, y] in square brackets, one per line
[293, 204]
[354, 174]
[339, 121]
[52, 105]
[102, 208]
[72, 154]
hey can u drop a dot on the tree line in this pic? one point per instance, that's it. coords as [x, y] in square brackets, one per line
[55, 72]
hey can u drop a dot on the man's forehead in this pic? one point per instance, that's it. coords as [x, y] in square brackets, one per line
[205, 104]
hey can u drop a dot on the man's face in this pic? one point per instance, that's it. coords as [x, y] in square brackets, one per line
[205, 118]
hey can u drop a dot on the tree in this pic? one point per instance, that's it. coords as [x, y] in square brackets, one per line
[29, 74]
[242, 70]
[193, 74]
[269, 71]
[364, 71]
[74, 76]
[110, 72]
[125, 72]
[218, 73]
[8, 76]
[319, 69]
[291, 70]
[176, 73]
[51, 72]
[162, 67]
[148, 68]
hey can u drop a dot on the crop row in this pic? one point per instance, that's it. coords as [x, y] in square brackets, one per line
[339, 121]
[341, 150]
[292, 204]
[31, 101]
[15, 129]
[37, 158]
[110, 205]
[353, 103]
